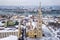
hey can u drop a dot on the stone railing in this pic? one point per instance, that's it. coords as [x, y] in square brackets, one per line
[8, 33]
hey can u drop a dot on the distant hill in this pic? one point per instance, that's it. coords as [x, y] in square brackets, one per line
[28, 8]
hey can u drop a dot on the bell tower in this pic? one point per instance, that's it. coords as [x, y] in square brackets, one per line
[39, 23]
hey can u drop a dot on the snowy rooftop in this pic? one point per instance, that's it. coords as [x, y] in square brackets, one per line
[49, 34]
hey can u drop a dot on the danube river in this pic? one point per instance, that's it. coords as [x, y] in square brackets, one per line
[52, 13]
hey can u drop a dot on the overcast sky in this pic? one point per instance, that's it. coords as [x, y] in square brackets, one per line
[29, 2]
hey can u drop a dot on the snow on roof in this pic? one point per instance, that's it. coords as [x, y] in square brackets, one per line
[8, 31]
[46, 31]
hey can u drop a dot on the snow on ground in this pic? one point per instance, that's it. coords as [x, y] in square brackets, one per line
[43, 38]
[46, 31]
[10, 38]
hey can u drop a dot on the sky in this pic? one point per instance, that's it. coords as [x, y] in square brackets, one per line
[29, 2]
